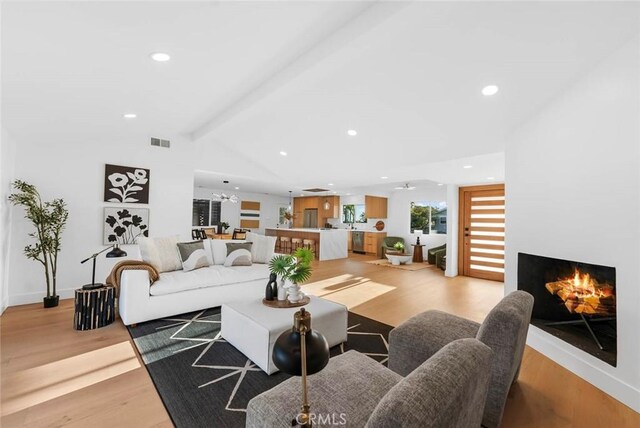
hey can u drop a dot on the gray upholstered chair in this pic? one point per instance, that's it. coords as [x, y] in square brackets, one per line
[504, 330]
[446, 391]
[388, 243]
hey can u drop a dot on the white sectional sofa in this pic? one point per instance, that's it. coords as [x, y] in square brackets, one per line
[178, 292]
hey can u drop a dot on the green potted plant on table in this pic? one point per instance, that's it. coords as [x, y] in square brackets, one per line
[399, 247]
[295, 268]
[224, 225]
[49, 219]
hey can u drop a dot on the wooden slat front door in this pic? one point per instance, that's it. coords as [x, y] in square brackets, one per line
[481, 246]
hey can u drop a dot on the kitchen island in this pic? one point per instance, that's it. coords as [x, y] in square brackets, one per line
[331, 243]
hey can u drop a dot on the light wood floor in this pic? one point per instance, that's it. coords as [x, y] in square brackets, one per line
[52, 375]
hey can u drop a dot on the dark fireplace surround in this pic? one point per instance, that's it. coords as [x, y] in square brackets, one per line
[574, 301]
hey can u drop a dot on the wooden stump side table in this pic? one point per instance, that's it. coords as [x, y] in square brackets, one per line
[94, 308]
[417, 253]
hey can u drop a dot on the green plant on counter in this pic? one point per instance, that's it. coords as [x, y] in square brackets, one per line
[295, 267]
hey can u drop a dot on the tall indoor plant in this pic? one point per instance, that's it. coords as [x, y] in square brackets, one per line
[295, 268]
[49, 219]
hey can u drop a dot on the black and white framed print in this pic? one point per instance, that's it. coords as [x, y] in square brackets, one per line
[125, 225]
[126, 184]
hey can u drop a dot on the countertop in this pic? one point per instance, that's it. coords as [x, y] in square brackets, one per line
[301, 229]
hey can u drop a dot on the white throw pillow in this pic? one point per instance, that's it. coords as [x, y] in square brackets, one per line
[162, 253]
[263, 247]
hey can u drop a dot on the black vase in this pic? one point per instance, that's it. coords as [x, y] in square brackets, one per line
[51, 302]
[270, 292]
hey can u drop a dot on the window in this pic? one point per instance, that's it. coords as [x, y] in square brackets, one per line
[205, 212]
[353, 213]
[430, 217]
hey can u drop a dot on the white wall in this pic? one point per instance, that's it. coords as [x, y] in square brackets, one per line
[7, 170]
[230, 212]
[73, 169]
[399, 214]
[573, 192]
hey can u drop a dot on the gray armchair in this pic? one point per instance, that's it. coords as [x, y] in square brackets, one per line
[504, 330]
[446, 391]
[388, 243]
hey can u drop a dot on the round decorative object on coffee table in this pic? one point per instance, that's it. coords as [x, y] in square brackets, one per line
[94, 308]
[399, 259]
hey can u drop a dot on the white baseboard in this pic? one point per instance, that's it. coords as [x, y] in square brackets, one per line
[26, 298]
[577, 362]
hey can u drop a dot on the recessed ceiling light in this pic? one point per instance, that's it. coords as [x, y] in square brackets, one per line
[352, 132]
[468, 166]
[440, 184]
[348, 194]
[129, 115]
[384, 178]
[491, 178]
[301, 194]
[237, 188]
[330, 184]
[283, 153]
[335, 192]
[160, 56]
[489, 90]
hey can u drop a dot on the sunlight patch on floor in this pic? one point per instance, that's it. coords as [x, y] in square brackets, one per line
[33, 386]
[349, 290]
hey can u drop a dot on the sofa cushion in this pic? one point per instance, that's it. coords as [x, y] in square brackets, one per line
[193, 255]
[162, 253]
[219, 249]
[263, 247]
[212, 276]
[238, 254]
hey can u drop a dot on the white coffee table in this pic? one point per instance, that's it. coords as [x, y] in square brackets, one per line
[253, 327]
[399, 259]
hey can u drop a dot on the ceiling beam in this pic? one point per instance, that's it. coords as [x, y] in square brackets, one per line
[304, 55]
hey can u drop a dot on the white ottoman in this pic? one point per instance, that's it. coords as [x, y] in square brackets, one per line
[399, 259]
[253, 327]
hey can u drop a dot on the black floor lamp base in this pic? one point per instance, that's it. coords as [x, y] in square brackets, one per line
[92, 286]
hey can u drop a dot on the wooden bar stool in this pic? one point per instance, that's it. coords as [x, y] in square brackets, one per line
[311, 245]
[285, 244]
[295, 244]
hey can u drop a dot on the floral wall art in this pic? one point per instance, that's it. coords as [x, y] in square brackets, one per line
[125, 225]
[126, 184]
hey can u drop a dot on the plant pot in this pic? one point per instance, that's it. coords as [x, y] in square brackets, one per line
[51, 302]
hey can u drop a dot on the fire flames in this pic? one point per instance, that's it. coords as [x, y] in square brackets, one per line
[582, 294]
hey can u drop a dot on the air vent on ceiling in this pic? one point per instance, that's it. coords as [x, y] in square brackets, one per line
[158, 142]
[315, 189]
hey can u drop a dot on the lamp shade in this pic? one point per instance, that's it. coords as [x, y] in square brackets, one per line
[116, 252]
[287, 352]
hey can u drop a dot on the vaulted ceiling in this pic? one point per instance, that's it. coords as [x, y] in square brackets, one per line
[250, 79]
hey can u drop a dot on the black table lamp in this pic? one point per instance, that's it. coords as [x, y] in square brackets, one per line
[301, 352]
[115, 252]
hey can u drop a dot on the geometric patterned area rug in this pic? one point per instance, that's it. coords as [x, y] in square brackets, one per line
[206, 382]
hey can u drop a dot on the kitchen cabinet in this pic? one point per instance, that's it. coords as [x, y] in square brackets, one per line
[302, 203]
[350, 242]
[333, 210]
[373, 242]
[375, 206]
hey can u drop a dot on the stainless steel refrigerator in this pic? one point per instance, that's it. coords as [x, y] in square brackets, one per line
[310, 218]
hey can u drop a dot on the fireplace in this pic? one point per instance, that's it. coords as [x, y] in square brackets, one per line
[574, 301]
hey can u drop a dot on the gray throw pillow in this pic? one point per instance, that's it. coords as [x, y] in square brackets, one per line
[238, 254]
[192, 255]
